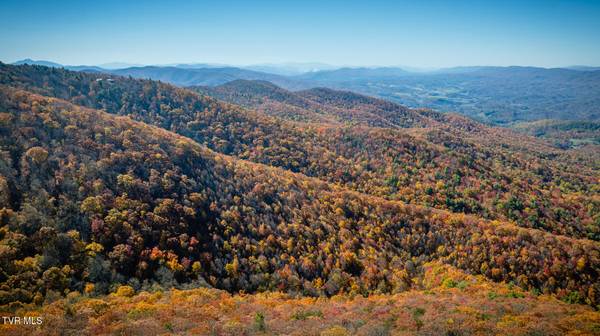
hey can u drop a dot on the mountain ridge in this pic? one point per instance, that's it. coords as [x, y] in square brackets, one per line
[167, 187]
[452, 231]
[379, 161]
[497, 95]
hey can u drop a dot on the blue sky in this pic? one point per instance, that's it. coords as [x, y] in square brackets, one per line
[410, 33]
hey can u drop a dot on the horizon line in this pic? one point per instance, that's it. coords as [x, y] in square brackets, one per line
[283, 63]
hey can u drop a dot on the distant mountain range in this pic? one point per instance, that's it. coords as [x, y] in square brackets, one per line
[118, 65]
[40, 62]
[185, 74]
[583, 68]
[202, 76]
[291, 69]
[496, 95]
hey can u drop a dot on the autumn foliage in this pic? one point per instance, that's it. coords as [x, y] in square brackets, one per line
[125, 186]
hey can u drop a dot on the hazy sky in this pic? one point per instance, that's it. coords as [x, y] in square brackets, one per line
[412, 33]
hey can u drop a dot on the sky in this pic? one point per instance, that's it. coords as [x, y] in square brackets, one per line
[428, 34]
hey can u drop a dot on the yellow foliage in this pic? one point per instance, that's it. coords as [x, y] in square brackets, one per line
[28, 263]
[37, 154]
[125, 291]
[196, 267]
[93, 248]
[581, 264]
[142, 309]
[335, 331]
[174, 265]
[89, 288]
[74, 234]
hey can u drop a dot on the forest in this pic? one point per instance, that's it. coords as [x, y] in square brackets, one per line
[113, 188]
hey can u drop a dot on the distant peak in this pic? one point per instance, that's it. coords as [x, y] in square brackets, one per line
[38, 62]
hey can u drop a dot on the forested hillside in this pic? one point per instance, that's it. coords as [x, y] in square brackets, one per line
[113, 184]
[565, 134]
[102, 200]
[456, 164]
[450, 303]
[316, 105]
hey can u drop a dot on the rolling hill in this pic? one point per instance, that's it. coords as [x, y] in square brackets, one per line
[316, 105]
[123, 185]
